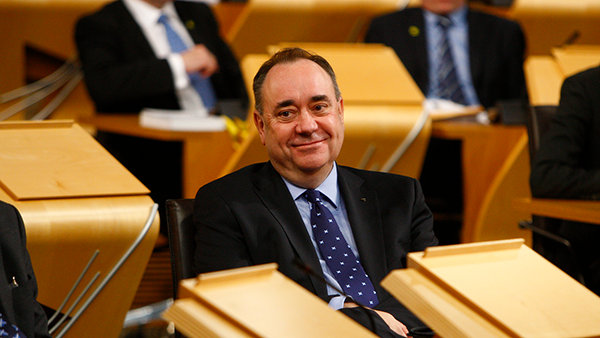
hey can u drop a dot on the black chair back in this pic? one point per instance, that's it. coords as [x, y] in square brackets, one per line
[538, 123]
[546, 242]
[181, 239]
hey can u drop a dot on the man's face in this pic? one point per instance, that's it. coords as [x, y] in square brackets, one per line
[442, 7]
[302, 122]
[158, 3]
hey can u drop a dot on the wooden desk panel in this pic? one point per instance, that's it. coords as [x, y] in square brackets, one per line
[484, 150]
[204, 153]
[572, 210]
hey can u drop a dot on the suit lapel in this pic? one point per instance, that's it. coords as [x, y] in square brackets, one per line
[190, 22]
[5, 293]
[273, 192]
[478, 37]
[132, 33]
[420, 46]
[362, 206]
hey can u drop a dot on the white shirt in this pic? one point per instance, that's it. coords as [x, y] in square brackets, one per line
[146, 17]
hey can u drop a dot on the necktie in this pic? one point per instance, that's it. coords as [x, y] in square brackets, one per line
[448, 85]
[9, 330]
[202, 85]
[337, 253]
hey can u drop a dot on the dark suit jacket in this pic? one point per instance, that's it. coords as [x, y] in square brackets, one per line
[18, 303]
[123, 75]
[496, 51]
[567, 163]
[249, 218]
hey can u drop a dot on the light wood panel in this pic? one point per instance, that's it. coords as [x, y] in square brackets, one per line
[56, 160]
[545, 74]
[550, 23]
[494, 289]
[573, 210]
[484, 151]
[256, 301]
[497, 220]
[76, 201]
[204, 153]
[268, 22]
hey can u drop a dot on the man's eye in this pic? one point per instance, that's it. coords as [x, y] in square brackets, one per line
[284, 114]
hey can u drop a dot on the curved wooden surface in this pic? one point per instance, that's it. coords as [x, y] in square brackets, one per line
[204, 153]
[484, 151]
[497, 219]
[62, 236]
[572, 210]
[550, 23]
[75, 200]
[268, 22]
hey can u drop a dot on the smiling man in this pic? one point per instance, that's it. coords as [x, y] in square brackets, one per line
[350, 226]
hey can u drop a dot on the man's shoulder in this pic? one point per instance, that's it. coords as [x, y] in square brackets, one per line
[591, 75]
[239, 177]
[477, 17]
[105, 14]
[400, 16]
[378, 178]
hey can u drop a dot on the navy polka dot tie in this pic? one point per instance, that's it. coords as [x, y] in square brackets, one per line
[337, 253]
[9, 330]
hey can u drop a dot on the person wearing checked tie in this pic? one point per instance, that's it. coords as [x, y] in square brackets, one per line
[351, 227]
[21, 316]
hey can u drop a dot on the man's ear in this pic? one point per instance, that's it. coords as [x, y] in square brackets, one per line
[260, 126]
[341, 112]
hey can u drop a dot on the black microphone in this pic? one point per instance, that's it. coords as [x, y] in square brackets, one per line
[307, 269]
[571, 39]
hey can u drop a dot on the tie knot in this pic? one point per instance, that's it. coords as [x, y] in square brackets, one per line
[163, 19]
[444, 22]
[312, 195]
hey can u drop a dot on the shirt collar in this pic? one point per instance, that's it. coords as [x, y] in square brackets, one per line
[328, 188]
[146, 14]
[459, 16]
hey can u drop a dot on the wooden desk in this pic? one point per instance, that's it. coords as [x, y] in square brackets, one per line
[204, 153]
[484, 150]
[572, 210]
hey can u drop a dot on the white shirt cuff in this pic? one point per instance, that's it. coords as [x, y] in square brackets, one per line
[180, 77]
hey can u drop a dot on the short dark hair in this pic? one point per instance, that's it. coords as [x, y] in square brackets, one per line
[289, 55]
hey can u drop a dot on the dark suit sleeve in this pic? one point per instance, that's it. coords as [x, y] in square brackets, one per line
[514, 54]
[563, 166]
[228, 81]
[29, 315]
[114, 74]
[219, 238]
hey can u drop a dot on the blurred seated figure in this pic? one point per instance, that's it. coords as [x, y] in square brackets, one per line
[161, 54]
[480, 64]
[18, 304]
[460, 55]
[567, 166]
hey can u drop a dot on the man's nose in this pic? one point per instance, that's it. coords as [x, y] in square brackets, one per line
[306, 122]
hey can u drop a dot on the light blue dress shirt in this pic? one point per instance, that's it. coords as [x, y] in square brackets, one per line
[458, 34]
[336, 205]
